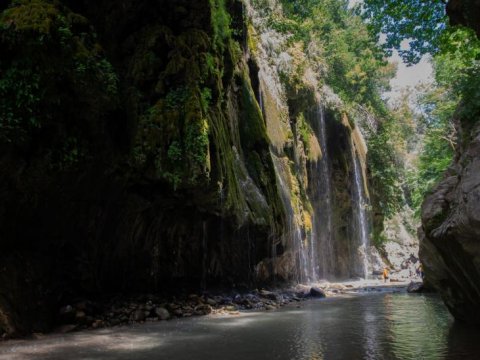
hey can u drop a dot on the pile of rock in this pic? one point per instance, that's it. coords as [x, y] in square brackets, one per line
[89, 315]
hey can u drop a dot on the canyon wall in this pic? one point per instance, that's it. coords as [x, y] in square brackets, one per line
[449, 236]
[161, 146]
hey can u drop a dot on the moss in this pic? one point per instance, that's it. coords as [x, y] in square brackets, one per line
[174, 139]
[252, 40]
[51, 67]
[307, 222]
[256, 149]
[252, 127]
[31, 15]
[174, 143]
[220, 20]
[308, 138]
[226, 170]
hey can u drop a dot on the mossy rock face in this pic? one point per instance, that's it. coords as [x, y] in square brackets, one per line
[138, 157]
[182, 72]
[51, 67]
[256, 149]
[173, 141]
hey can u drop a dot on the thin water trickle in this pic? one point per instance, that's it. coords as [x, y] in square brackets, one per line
[361, 204]
[293, 234]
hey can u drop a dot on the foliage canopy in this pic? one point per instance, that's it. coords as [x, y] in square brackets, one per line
[418, 22]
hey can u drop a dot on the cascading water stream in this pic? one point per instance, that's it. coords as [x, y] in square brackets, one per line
[361, 203]
[321, 239]
[294, 233]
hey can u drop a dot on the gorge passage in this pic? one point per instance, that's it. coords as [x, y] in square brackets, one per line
[169, 146]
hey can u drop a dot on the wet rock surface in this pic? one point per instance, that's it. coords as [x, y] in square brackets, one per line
[317, 292]
[415, 287]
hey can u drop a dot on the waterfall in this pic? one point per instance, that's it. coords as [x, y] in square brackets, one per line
[361, 203]
[293, 234]
[323, 227]
[321, 242]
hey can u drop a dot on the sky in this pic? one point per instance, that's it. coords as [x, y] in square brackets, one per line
[409, 76]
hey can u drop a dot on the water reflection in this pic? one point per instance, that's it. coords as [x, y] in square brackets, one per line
[420, 330]
[381, 326]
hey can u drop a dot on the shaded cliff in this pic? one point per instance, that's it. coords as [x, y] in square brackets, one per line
[162, 146]
[143, 161]
[450, 247]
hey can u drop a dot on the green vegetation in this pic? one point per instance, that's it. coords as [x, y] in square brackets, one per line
[454, 95]
[438, 141]
[456, 67]
[354, 65]
[457, 70]
[50, 66]
[348, 60]
[418, 22]
[385, 167]
[180, 128]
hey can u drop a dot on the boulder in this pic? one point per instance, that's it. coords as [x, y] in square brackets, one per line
[268, 295]
[162, 313]
[211, 302]
[415, 287]
[203, 309]
[138, 315]
[317, 292]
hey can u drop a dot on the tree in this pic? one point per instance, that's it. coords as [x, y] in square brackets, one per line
[419, 22]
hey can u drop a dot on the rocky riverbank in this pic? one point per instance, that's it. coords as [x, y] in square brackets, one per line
[87, 314]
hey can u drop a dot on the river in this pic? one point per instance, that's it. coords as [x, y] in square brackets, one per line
[371, 326]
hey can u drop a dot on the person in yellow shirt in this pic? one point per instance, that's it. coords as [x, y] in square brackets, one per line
[385, 274]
